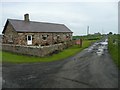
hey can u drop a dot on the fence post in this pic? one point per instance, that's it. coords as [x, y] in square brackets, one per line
[80, 42]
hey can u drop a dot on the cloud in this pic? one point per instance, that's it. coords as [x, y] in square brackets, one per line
[77, 16]
[59, 0]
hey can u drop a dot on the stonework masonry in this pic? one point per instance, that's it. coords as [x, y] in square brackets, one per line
[20, 38]
[40, 51]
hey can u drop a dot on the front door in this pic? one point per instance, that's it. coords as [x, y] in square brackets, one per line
[29, 39]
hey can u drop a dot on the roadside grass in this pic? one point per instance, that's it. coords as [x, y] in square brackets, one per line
[0, 56]
[15, 58]
[114, 49]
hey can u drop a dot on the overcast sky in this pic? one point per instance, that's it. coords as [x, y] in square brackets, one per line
[100, 16]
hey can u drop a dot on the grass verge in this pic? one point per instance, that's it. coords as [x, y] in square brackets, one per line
[14, 58]
[113, 49]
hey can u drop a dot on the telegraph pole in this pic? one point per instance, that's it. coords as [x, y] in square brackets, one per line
[87, 30]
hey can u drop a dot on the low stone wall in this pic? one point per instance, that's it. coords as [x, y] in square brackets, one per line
[35, 50]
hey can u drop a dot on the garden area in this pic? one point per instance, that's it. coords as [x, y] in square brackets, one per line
[16, 58]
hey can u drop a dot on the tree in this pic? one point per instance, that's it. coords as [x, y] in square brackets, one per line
[110, 33]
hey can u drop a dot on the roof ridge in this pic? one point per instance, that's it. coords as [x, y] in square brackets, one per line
[37, 22]
[34, 26]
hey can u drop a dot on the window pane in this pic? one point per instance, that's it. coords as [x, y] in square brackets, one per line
[29, 37]
[44, 37]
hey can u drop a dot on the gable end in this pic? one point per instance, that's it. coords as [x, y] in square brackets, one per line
[5, 27]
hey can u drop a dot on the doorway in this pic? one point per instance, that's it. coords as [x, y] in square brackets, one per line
[29, 39]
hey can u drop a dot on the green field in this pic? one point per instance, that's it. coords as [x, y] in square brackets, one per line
[14, 58]
[114, 48]
[88, 37]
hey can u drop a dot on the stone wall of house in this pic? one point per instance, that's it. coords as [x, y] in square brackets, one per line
[37, 38]
[36, 50]
[9, 35]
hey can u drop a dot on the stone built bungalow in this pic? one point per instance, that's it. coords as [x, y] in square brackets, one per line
[26, 32]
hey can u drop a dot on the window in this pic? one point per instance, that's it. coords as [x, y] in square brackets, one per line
[58, 36]
[44, 37]
[67, 36]
[29, 37]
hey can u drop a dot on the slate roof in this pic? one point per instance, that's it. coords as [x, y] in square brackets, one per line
[32, 26]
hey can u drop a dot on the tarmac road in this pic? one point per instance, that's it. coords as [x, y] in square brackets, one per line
[91, 68]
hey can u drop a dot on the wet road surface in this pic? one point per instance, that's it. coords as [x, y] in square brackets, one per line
[91, 68]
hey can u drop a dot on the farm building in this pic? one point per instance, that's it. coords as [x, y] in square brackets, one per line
[26, 32]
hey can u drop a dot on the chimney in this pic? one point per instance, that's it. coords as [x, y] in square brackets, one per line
[26, 17]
